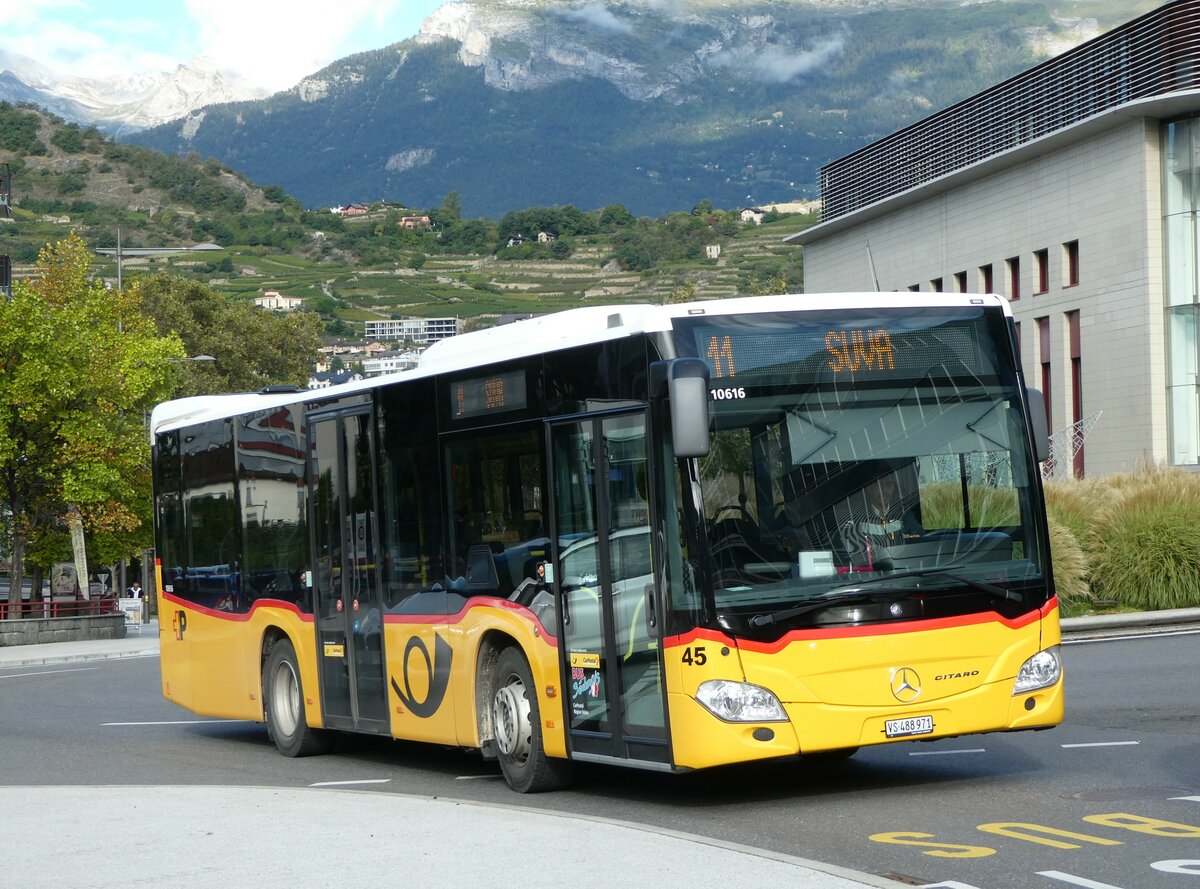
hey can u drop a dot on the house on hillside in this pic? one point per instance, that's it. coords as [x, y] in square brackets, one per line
[712, 251]
[545, 238]
[352, 210]
[516, 240]
[753, 214]
[415, 222]
[323, 380]
[274, 301]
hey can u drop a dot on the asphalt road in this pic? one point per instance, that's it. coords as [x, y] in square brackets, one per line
[1109, 799]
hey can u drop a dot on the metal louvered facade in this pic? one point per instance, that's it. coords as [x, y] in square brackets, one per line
[1154, 55]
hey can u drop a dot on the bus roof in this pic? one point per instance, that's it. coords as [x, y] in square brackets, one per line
[550, 333]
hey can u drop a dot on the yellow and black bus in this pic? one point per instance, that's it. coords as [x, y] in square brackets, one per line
[668, 537]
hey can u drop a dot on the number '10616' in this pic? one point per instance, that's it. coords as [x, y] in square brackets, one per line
[728, 393]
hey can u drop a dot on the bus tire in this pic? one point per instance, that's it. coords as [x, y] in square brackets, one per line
[283, 705]
[518, 728]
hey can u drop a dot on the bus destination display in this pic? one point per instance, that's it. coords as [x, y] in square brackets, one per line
[870, 351]
[494, 393]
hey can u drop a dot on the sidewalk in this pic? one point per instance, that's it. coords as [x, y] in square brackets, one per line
[135, 644]
[263, 836]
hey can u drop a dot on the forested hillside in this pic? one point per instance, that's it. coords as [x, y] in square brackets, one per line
[372, 267]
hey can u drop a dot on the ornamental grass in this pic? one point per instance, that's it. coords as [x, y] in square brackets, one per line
[1145, 550]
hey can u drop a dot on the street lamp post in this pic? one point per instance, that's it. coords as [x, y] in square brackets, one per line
[121, 252]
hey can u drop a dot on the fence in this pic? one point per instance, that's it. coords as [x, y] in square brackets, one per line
[57, 606]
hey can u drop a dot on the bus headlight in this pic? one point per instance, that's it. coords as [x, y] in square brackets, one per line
[1040, 671]
[740, 701]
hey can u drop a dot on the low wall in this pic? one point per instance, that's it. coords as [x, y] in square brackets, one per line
[35, 630]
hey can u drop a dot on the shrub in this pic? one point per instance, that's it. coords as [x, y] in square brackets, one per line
[1075, 504]
[1146, 549]
[1070, 565]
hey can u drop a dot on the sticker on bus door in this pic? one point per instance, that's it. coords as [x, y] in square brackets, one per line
[587, 683]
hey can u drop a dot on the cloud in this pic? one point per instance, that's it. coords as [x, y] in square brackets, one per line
[780, 65]
[271, 43]
[595, 15]
[276, 43]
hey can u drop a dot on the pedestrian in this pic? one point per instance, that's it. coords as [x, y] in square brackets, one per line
[135, 591]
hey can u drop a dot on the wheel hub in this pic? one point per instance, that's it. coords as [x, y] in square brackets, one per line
[510, 715]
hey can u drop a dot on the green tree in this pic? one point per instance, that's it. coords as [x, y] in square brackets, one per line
[79, 368]
[253, 348]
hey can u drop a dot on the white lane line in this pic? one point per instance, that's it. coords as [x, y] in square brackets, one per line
[174, 722]
[1103, 744]
[48, 673]
[946, 752]
[1190, 799]
[1074, 880]
[476, 777]
[346, 783]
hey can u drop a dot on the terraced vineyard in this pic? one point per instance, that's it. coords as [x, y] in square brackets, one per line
[484, 286]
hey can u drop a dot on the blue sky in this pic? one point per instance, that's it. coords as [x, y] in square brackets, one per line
[273, 43]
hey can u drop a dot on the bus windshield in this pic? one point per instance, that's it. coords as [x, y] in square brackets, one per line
[866, 465]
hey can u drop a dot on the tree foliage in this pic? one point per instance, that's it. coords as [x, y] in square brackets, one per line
[252, 348]
[79, 368]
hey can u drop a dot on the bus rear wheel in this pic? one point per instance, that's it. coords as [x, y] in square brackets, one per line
[518, 727]
[283, 705]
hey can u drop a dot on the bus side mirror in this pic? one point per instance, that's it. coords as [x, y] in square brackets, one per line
[1036, 403]
[687, 389]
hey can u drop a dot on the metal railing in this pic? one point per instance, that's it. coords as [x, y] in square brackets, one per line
[57, 606]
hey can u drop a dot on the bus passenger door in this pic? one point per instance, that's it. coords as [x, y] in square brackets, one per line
[349, 615]
[605, 585]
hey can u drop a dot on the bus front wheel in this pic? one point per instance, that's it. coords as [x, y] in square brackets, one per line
[283, 705]
[518, 727]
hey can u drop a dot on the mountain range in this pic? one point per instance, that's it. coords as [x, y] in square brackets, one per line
[123, 104]
[655, 104]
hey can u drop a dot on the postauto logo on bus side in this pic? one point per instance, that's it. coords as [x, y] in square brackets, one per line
[906, 684]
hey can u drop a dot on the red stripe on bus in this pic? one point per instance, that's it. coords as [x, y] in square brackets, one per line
[919, 626]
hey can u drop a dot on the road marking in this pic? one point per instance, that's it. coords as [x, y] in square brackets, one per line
[476, 777]
[1103, 744]
[1075, 881]
[174, 722]
[48, 673]
[346, 783]
[946, 752]
[1190, 799]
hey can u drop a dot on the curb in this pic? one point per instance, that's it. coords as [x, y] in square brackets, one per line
[1140, 622]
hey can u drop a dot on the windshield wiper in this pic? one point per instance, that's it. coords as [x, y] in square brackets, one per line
[948, 573]
[857, 591]
[849, 595]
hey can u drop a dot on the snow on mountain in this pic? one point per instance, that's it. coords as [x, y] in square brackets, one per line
[128, 103]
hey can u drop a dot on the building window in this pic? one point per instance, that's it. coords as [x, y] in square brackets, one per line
[936, 285]
[914, 288]
[1180, 166]
[1041, 261]
[1070, 263]
[1043, 326]
[960, 282]
[1076, 384]
[1013, 264]
[985, 279]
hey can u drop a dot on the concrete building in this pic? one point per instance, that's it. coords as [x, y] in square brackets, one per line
[416, 330]
[274, 301]
[390, 363]
[1072, 189]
